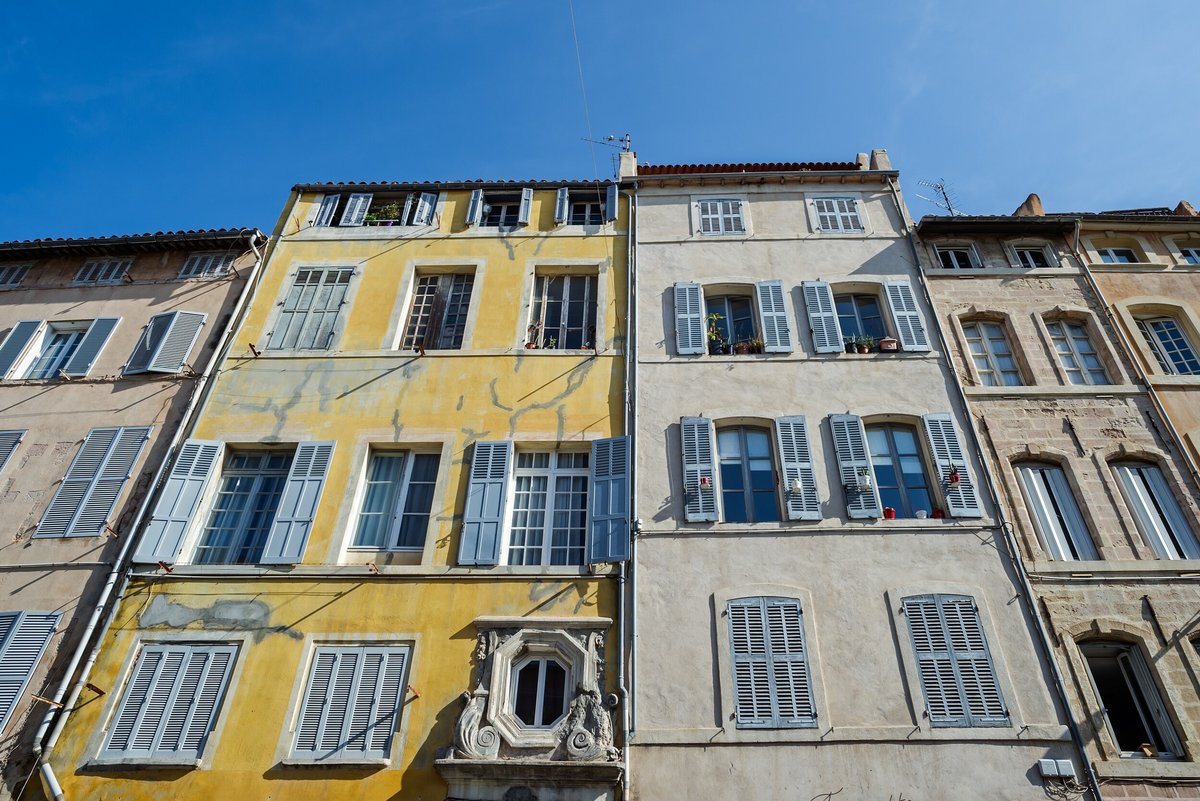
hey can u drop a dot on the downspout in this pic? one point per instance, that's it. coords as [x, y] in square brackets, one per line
[60, 710]
[1138, 370]
[627, 715]
[1005, 527]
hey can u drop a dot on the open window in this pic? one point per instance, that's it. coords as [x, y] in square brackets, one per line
[49, 349]
[587, 206]
[1133, 709]
[563, 312]
[731, 319]
[847, 315]
[1155, 511]
[505, 209]
[957, 256]
[1054, 511]
[356, 209]
[1169, 342]
[437, 318]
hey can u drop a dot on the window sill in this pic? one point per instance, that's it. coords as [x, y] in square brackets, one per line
[121, 763]
[867, 525]
[1181, 568]
[1061, 390]
[827, 732]
[301, 763]
[1135, 768]
[1001, 272]
[1160, 380]
[1140, 266]
[360, 571]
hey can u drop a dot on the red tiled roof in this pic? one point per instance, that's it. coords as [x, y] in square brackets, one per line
[160, 240]
[775, 166]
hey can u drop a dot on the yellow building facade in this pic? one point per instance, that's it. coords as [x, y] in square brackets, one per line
[386, 563]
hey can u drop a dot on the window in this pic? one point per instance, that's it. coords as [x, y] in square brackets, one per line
[991, 354]
[310, 311]
[550, 509]
[415, 208]
[39, 349]
[165, 343]
[58, 346]
[1034, 258]
[88, 493]
[1155, 511]
[207, 265]
[9, 440]
[438, 317]
[1076, 353]
[899, 468]
[957, 257]
[564, 312]
[396, 501]
[23, 639]
[730, 322]
[720, 216]
[1190, 255]
[11, 275]
[837, 214]
[351, 703]
[244, 510]
[1171, 347]
[1118, 255]
[1054, 512]
[953, 662]
[772, 687]
[860, 315]
[539, 691]
[748, 484]
[103, 271]
[593, 205]
[171, 702]
[1136, 717]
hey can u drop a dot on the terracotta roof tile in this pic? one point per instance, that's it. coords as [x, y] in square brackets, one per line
[774, 166]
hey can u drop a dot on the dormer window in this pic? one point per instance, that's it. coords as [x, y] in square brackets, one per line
[957, 257]
[1118, 255]
[499, 209]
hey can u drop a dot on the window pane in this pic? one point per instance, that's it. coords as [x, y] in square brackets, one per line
[379, 499]
[525, 702]
[554, 699]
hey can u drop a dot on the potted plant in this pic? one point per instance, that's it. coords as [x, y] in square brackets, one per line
[864, 343]
[389, 214]
[889, 345]
[716, 342]
[757, 345]
[954, 478]
[864, 479]
[889, 513]
[938, 513]
[851, 344]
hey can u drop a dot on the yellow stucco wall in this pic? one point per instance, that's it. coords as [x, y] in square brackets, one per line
[363, 392]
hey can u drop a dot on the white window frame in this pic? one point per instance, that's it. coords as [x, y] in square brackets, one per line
[1055, 512]
[551, 473]
[536, 331]
[102, 271]
[1136, 664]
[1085, 373]
[974, 262]
[1016, 247]
[42, 341]
[1185, 249]
[208, 264]
[1158, 348]
[11, 275]
[1155, 510]
[816, 214]
[732, 221]
[989, 353]
[543, 660]
[392, 534]
[199, 524]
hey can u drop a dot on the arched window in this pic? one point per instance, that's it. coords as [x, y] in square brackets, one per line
[1171, 346]
[1136, 716]
[748, 486]
[1076, 351]
[899, 468]
[1054, 511]
[991, 353]
[860, 315]
[1155, 511]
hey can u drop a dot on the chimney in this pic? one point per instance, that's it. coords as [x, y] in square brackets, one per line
[1032, 207]
[860, 161]
[1185, 209]
[880, 160]
[628, 165]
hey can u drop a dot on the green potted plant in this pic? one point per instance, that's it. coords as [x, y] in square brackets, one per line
[864, 343]
[851, 344]
[716, 342]
[388, 214]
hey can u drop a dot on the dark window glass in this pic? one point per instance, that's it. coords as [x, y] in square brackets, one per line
[860, 315]
[747, 476]
[734, 318]
[899, 468]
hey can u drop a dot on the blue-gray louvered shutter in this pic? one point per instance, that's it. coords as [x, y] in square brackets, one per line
[350, 704]
[791, 687]
[526, 206]
[973, 661]
[177, 343]
[178, 502]
[854, 463]
[771, 684]
[15, 343]
[356, 209]
[483, 515]
[612, 203]
[777, 335]
[171, 702]
[562, 205]
[948, 456]
[822, 317]
[426, 204]
[325, 211]
[699, 469]
[9, 440]
[298, 504]
[90, 346]
[89, 491]
[751, 665]
[689, 319]
[608, 501]
[23, 640]
[910, 328]
[475, 207]
[935, 664]
[799, 479]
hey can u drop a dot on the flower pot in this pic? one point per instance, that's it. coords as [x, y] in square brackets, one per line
[530, 346]
[889, 345]
[955, 478]
[889, 513]
[863, 349]
[921, 514]
[851, 347]
[741, 348]
[718, 349]
[938, 514]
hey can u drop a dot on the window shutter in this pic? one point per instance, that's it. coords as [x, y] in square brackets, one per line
[350, 705]
[23, 639]
[791, 687]
[171, 701]
[148, 343]
[178, 501]
[751, 664]
[906, 316]
[15, 343]
[426, 205]
[612, 203]
[298, 504]
[973, 662]
[946, 447]
[178, 342]
[608, 512]
[935, 665]
[796, 459]
[696, 437]
[483, 515]
[87, 494]
[850, 444]
[689, 319]
[9, 440]
[325, 211]
[356, 209]
[475, 207]
[562, 205]
[822, 317]
[90, 346]
[526, 206]
[777, 337]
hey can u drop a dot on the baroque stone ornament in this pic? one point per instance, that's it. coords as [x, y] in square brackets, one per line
[589, 728]
[472, 739]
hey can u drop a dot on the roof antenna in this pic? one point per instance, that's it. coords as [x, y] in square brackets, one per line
[622, 143]
[945, 198]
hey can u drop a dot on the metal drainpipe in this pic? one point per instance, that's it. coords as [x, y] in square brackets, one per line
[627, 714]
[1004, 526]
[1138, 371]
[43, 746]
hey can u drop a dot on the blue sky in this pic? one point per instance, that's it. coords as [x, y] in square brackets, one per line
[126, 117]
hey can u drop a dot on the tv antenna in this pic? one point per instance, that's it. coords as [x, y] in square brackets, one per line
[622, 143]
[945, 198]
